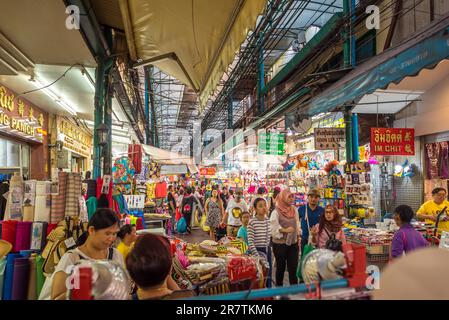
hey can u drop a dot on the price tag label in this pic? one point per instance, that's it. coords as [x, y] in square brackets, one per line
[70, 242]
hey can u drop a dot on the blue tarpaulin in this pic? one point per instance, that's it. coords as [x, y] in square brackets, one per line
[408, 59]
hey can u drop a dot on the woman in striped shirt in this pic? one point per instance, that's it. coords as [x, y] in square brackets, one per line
[259, 233]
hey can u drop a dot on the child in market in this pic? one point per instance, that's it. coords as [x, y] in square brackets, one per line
[259, 233]
[242, 234]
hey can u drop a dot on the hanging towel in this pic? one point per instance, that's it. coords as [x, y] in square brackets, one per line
[40, 278]
[72, 195]
[20, 278]
[9, 230]
[42, 208]
[2, 275]
[31, 293]
[38, 235]
[9, 274]
[58, 201]
[91, 204]
[23, 236]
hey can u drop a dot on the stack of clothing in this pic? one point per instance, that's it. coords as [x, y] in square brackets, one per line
[58, 200]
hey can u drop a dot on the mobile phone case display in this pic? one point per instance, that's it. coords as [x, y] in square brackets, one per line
[334, 187]
[359, 190]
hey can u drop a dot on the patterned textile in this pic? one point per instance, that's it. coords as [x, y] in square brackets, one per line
[72, 195]
[58, 201]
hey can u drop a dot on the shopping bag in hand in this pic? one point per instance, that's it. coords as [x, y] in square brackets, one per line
[177, 215]
[307, 249]
[203, 223]
[181, 225]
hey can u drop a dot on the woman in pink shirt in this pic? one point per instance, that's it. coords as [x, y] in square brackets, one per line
[330, 223]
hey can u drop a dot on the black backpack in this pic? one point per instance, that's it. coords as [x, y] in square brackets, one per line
[333, 243]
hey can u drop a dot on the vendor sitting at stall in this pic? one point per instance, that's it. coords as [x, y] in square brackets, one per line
[150, 264]
[430, 210]
[406, 239]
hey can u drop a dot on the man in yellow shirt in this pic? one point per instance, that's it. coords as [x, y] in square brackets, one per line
[432, 208]
[128, 236]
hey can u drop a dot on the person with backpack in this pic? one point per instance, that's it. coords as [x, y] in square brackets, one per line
[328, 233]
[94, 244]
[187, 207]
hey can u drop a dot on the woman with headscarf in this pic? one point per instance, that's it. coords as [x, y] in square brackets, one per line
[286, 233]
[330, 225]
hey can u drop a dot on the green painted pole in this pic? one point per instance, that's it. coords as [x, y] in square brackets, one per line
[98, 115]
[107, 120]
[346, 36]
[348, 133]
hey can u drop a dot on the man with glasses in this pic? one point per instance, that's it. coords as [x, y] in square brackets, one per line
[430, 209]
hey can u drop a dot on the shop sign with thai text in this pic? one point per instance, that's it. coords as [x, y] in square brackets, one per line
[74, 138]
[271, 144]
[208, 171]
[329, 138]
[19, 118]
[392, 142]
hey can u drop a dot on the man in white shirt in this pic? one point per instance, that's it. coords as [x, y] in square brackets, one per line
[233, 212]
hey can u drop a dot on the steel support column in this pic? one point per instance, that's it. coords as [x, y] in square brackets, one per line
[107, 120]
[261, 76]
[348, 131]
[147, 108]
[355, 138]
[346, 36]
[102, 114]
[230, 111]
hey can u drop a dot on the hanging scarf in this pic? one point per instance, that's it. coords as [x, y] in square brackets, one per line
[283, 206]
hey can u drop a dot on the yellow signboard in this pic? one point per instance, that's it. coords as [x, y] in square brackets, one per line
[74, 138]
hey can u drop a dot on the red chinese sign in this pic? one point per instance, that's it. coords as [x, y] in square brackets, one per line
[208, 171]
[392, 142]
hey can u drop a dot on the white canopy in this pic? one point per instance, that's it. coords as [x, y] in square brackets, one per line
[167, 157]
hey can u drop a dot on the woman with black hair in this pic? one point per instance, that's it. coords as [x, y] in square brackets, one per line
[95, 244]
[128, 236]
[150, 265]
[406, 239]
[187, 207]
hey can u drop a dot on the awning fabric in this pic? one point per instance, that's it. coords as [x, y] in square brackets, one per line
[425, 50]
[204, 35]
[167, 157]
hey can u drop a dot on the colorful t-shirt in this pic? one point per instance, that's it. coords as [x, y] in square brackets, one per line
[235, 211]
[123, 249]
[431, 208]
